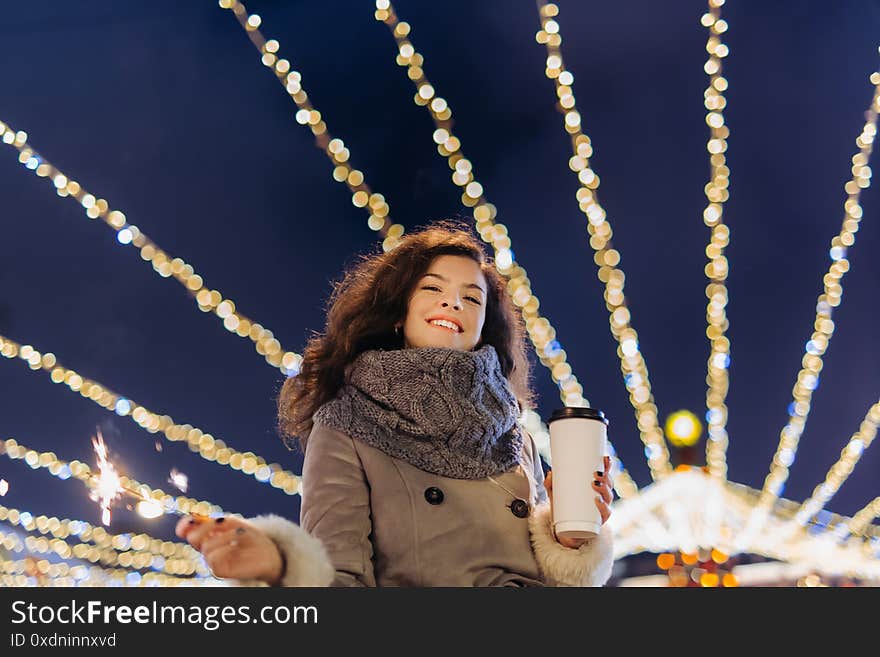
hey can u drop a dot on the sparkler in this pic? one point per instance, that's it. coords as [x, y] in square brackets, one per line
[108, 487]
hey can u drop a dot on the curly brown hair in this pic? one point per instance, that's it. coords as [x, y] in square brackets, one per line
[371, 299]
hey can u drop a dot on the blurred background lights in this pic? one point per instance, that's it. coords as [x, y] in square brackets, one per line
[504, 259]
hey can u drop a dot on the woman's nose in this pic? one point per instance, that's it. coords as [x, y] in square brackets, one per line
[455, 303]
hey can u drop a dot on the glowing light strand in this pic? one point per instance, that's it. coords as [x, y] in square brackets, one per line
[109, 556]
[63, 528]
[541, 332]
[808, 377]
[204, 444]
[717, 268]
[337, 152]
[32, 572]
[862, 521]
[632, 362]
[842, 469]
[81, 573]
[163, 263]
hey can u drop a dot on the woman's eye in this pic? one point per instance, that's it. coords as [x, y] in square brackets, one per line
[475, 300]
[430, 287]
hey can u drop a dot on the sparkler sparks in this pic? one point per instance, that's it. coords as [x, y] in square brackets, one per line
[108, 487]
[178, 480]
[4, 487]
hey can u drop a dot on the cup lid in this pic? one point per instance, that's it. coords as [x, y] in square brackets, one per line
[578, 412]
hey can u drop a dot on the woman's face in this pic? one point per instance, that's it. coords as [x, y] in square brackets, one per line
[447, 307]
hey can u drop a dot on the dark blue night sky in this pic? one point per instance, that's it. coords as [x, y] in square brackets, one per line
[164, 109]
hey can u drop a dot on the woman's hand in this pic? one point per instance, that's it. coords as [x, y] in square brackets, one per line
[601, 485]
[233, 548]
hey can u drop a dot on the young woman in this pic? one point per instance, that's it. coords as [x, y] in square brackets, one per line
[416, 472]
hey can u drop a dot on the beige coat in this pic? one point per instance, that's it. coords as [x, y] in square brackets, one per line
[384, 522]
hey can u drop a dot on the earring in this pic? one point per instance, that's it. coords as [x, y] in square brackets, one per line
[397, 331]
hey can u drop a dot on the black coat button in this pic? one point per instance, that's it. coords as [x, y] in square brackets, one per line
[434, 495]
[519, 508]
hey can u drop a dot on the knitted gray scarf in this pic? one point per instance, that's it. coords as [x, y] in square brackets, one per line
[447, 412]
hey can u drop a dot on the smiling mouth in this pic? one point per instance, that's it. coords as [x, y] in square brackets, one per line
[445, 324]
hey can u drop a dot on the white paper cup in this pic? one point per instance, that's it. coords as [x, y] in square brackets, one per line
[578, 438]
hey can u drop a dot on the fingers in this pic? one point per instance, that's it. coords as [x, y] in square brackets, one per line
[604, 511]
[233, 547]
[223, 560]
[602, 484]
[573, 543]
[223, 551]
[196, 530]
[604, 491]
[181, 527]
[193, 529]
[237, 538]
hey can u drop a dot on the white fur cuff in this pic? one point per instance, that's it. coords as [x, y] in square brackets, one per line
[588, 565]
[306, 559]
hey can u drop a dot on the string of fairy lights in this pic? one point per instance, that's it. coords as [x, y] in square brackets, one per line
[632, 362]
[838, 473]
[862, 520]
[549, 351]
[106, 555]
[716, 269]
[823, 326]
[338, 153]
[163, 263]
[42, 572]
[63, 528]
[204, 444]
[78, 575]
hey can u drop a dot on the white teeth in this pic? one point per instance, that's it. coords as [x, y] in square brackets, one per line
[445, 324]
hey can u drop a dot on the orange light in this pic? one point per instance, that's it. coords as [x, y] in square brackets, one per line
[682, 468]
[729, 580]
[688, 558]
[665, 561]
[709, 580]
[718, 556]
